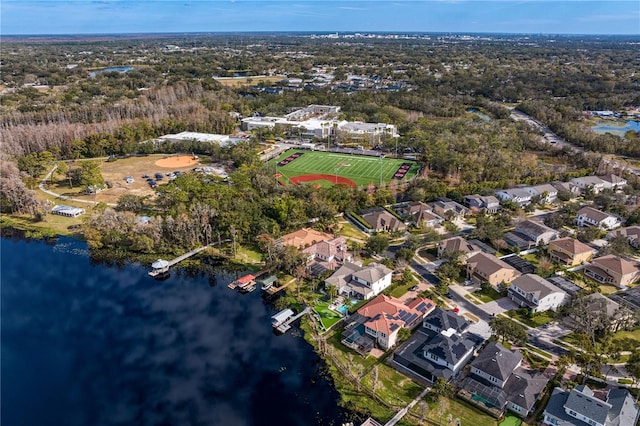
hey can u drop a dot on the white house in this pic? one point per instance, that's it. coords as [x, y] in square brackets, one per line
[592, 182]
[517, 195]
[588, 216]
[547, 192]
[535, 293]
[613, 182]
[360, 282]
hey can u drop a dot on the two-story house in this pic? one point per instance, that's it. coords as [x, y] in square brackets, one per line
[536, 294]
[529, 233]
[440, 348]
[631, 233]
[589, 182]
[547, 192]
[613, 182]
[380, 219]
[569, 251]
[484, 267]
[614, 270]
[517, 195]
[380, 321]
[588, 216]
[496, 376]
[327, 255]
[418, 213]
[482, 203]
[302, 238]
[361, 282]
[580, 407]
[457, 245]
[444, 207]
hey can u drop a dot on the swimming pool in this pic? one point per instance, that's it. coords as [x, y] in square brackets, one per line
[343, 309]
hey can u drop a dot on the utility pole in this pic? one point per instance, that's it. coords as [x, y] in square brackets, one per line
[380, 170]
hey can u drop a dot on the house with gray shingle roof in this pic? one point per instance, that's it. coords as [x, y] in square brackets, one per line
[581, 407]
[497, 378]
[588, 216]
[586, 182]
[360, 282]
[536, 294]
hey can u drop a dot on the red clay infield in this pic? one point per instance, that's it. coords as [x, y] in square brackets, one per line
[330, 178]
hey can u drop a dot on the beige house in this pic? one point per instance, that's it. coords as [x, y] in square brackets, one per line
[569, 251]
[302, 238]
[484, 267]
[613, 270]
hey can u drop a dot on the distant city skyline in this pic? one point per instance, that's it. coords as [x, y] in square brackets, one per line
[43, 17]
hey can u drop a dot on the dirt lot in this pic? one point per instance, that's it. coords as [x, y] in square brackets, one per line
[116, 171]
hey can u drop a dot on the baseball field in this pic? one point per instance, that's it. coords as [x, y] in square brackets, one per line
[295, 165]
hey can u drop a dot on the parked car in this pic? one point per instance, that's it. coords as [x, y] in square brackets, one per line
[129, 179]
[159, 176]
[145, 176]
[449, 296]
[414, 288]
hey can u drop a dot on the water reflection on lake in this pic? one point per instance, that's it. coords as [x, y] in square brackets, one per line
[616, 127]
[110, 69]
[87, 344]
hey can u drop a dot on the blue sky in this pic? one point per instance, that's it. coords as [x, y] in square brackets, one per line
[141, 16]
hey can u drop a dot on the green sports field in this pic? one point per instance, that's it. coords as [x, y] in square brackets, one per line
[360, 169]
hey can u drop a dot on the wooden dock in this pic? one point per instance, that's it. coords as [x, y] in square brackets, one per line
[179, 259]
[286, 325]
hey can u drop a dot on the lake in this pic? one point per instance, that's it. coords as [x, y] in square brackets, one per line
[92, 344]
[618, 128]
[110, 69]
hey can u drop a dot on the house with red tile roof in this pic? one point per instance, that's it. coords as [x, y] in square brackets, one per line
[304, 237]
[380, 320]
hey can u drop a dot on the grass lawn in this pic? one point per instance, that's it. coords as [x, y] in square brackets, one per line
[472, 299]
[350, 231]
[608, 289]
[538, 319]
[248, 255]
[401, 289]
[629, 337]
[392, 387]
[488, 295]
[327, 316]
[59, 225]
[468, 415]
[360, 169]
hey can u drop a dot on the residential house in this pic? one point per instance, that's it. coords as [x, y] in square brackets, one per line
[380, 321]
[569, 251]
[614, 270]
[361, 282]
[486, 203]
[547, 192]
[536, 294]
[588, 216]
[581, 407]
[569, 187]
[459, 245]
[445, 207]
[589, 182]
[530, 233]
[483, 267]
[496, 376]
[380, 219]
[418, 213]
[613, 182]
[631, 233]
[440, 348]
[327, 255]
[620, 318]
[302, 238]
[517, 195]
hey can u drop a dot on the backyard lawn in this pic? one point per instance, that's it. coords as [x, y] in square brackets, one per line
[348, 230]
[468, 415]
[327, 316]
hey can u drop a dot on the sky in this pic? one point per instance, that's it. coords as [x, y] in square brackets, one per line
[163, 16]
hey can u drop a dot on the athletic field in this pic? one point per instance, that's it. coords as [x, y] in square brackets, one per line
[324, 168]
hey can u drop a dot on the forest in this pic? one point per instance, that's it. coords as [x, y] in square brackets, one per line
[60, 101]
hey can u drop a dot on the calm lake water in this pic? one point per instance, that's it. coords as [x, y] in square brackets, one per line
[616, 127]
[90, 344]
[110, 69]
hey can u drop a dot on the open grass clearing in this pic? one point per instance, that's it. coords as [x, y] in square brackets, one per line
[350, 231]
[534, 321]
[439, 412]
[327, 316]
[249, 80]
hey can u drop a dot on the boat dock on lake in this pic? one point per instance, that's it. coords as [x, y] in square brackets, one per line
[282, 320]
[161, 266]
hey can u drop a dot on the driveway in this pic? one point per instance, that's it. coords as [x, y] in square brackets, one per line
[499, 306]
